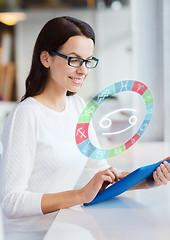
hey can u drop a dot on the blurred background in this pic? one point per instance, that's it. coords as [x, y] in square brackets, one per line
[132, 42]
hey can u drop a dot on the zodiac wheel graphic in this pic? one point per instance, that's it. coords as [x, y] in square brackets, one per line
[81, 134]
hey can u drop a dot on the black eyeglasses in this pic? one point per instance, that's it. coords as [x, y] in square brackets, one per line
[78, 61]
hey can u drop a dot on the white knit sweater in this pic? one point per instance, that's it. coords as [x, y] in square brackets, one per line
[39, 156]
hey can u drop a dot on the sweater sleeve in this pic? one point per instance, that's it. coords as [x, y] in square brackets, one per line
[16, 165]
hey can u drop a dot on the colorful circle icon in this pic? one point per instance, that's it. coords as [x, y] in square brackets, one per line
[81, 134]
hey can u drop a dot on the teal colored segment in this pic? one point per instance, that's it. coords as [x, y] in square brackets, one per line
[99, 154]
[116, 151]
[148, 98]
[143, 127]
[86, 148]
[123, 86]
[88, 112]
[149, 112]
[104, 94]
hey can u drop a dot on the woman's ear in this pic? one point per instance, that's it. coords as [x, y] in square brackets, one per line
[44, 58]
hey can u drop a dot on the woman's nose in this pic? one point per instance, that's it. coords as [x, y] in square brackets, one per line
[83, 70]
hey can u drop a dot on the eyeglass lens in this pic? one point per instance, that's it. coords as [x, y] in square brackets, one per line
[77, 62]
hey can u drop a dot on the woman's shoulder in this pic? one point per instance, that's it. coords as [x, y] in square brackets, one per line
[24, 109]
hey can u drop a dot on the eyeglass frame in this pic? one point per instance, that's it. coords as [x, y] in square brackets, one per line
[83, 60]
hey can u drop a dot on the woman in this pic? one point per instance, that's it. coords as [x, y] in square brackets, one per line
[41, 164]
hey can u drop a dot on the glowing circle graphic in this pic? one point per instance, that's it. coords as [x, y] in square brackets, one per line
[81, 134]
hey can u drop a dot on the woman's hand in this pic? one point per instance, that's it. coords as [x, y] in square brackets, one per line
[161, 176]
[98, 183]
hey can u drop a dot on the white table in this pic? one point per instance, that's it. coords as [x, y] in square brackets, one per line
[134, 215]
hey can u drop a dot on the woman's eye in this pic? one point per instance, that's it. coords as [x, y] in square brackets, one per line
[75, 60]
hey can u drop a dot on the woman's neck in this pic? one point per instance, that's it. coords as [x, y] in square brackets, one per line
[53, 100]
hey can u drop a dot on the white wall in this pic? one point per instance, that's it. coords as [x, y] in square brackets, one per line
[113, 45]
[148, 57]
[166, 60]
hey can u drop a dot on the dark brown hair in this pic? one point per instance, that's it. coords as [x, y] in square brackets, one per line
[52, 36]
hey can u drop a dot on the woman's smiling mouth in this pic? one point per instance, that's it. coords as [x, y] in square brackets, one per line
[77, 80]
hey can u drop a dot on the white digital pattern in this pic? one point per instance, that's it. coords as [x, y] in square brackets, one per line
[132, 120]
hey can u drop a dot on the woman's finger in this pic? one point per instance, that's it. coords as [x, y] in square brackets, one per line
[116, 174]
[167, 166]
[165, 171]
[157, 181]
[107, 178]
[161, 176]
[110, 173]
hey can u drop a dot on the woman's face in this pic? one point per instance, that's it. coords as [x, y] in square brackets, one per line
[65, 77]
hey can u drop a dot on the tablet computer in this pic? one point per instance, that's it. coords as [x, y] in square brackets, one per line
[125, 183]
